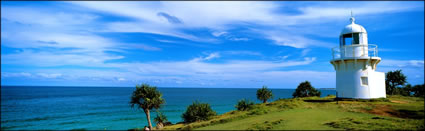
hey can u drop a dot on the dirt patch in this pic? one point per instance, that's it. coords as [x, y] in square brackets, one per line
[401, 102]
[386, 110]
[382, 110]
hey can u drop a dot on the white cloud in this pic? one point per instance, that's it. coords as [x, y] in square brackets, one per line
[209, 57]
[28, 57]
[413, 69]
[205, 14]
[121, 79]
[38, 16]
[239, 39]
[238, 52]
[20, 74]
[305, 52]
[284, 57]
[49, 38]
[153, 28]
[44, 75]
[191, 73]
[218, 34]
[43, 28]
[296, 41]
[229, 36]
[402, 63]
[215, 55]
[194, 67]
[166, 41]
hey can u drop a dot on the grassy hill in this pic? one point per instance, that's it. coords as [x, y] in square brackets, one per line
[395, 112]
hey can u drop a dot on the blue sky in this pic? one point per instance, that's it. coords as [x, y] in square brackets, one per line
[199, 44]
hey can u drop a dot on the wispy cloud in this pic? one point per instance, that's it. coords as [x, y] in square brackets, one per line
[44, 17]
[151, 17]
[92, 37]
[192, 72]
[209, 57]
[28, 57]
[403, 63]
[285, 39]
[241, 52]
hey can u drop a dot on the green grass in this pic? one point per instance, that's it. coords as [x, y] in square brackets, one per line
[396, 112]
[377, 123]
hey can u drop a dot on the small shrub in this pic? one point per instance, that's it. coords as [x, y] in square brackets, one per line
[244, 105]
[160, 119]
[331, 96]
[198, 112]
[267, 125]
[258, 112]
[380, 100]
[368, 108]
[188, 127]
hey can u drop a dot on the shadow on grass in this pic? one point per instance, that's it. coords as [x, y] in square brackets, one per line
[319, 101]
[363, 100]
[411, 114]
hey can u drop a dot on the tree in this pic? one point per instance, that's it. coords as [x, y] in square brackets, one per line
[305, 89]
[418, 90]
[264, 94]
[244, 105]
[146, 97]
[160, 119]
[393, 80]
[198, 112]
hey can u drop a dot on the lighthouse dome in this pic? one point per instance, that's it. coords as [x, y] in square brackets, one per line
[353, 28]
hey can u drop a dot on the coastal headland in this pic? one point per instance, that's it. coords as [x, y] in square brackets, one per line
[393, 113]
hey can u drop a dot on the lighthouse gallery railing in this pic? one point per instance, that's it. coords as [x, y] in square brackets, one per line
[350, 51]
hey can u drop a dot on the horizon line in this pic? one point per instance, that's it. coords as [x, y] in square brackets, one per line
[134, 86]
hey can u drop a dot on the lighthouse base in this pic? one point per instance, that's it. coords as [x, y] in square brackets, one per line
[360, 84]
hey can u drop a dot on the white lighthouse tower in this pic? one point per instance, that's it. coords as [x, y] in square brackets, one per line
[355, 64]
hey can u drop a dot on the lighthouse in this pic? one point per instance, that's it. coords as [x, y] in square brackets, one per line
[355, 63]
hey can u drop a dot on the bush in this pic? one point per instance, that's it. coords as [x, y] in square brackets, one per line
[244, 105]
[198, 112]
[418, 90]
[404, 91]
[160, 118]
[409, 90]
[305, 90]
[258, 111]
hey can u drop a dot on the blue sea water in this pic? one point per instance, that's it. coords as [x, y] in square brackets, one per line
[65, 108]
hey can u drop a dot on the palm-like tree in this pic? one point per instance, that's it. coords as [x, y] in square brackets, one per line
[264, 94]
[146, 97]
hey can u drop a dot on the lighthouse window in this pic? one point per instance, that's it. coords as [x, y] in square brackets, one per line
[352, 38]
[364, 81]
[348, 40]
[356, 38]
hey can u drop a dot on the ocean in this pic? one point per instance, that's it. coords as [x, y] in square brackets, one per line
[99, 108]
